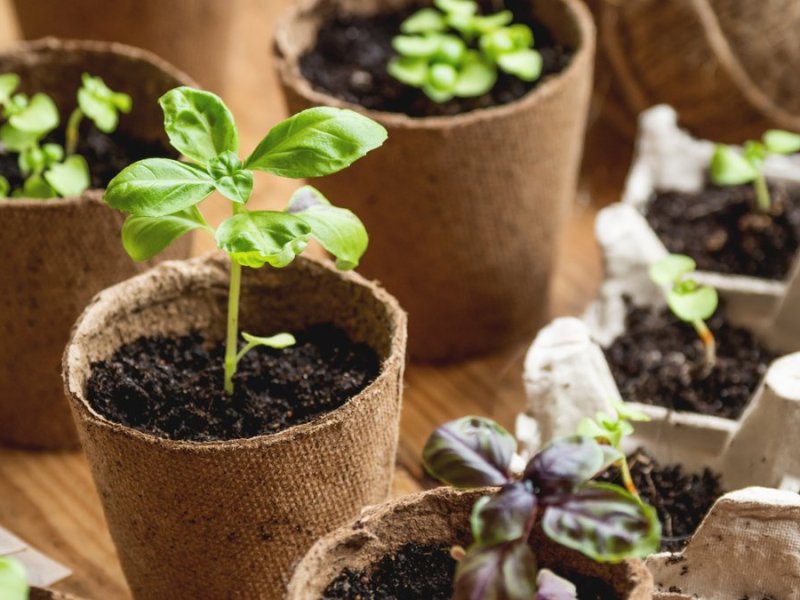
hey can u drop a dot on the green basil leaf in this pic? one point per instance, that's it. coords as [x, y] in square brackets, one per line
[101, 104]
[521, 36]
[691, 301]
[36, 186]
[198, 124]
[5, 187]
[53, 153]
[728, 167]
[69, 178]
[31, 160]
[279, 340]
[231, 180]
[316, 142]
[39, 117]
[477, 76]
[16, 140]
[8, 83]
[552, 587]
[778, 141]
[525, 64]
[13, 579]
[604, 522]
[505, 572]
[451, 50]
[470, 452]
[156, 187]
[417, 46]
[338, 230]
[668, 270]
[489, 23]
[426, 20]
[567, 463]
[254, 239]
[503, 517]
[409, 70]
[457, 7]
[144, 237]
[497, 43]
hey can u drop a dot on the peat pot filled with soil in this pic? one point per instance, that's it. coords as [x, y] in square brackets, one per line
[465, 201]
[59, 252]
[402, 549]
[214, 496]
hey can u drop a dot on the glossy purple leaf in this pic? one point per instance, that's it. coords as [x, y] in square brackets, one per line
[504, 572]
[505, 516]
[470, 452]
[553, 587]
[604, 522]
[567, 463]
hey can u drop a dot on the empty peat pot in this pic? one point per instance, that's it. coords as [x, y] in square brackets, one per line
[58, 253]
[229, 518]
[440, 518]
[463, 211]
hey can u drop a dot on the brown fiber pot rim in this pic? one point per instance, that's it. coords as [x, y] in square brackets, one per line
[124, 51]
[290, 75]
[73, 382]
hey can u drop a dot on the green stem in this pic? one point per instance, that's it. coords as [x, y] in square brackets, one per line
[73, 127]
[627, 479]
[762, 193]
[708, 342]
[231, 343]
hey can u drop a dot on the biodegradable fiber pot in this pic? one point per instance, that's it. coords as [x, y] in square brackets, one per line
[463, 211]
[58, 253]
[440, 516]
[193, 34]
[42, 594]
[228, 519]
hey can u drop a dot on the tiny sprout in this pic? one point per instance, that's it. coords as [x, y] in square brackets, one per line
[98, 102]
[600, 520]
[688, 300]
[13, 580]
[161, 196]
[455, 52]
[730, 167]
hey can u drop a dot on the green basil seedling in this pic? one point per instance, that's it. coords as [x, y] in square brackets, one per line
[688, 300]
[602, 521]
[455, 52]
[731, 167]
[13, 579]
[161, 196]
[99, 103]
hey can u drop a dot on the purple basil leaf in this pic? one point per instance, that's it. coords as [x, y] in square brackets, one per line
[470, 452]
[569, 462]
[505, 572]
[553, 587]
[604, 522]
[503, 517]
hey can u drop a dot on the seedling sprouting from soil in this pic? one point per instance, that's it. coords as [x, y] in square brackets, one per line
[688, 300]
[13, 580]
[600, 520]
[454, 51]
[161, 196]
[49, 170]
[731, 167]
[611, 430]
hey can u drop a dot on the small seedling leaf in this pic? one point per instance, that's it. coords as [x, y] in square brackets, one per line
[254, 239]
[69, 178]
[409, 70]
[476, 77]
[489, 23]
[525, 64]
[417, 46]
[144, 237]
[782, 142]
[36, 186]
[552, 587]
[426, 20]
[13, 579]
[39, 117]
[457, 7]
[5, 187]
[8, 83]
[504, 516]
[17, 140]
[101, 104]
[729, 167]
[278, 341]
[567, 463]
[504, 572]
[691, 302]
[230, 179]
[670, 269]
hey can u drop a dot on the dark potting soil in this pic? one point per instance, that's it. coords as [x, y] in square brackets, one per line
[423, 572]
[351, 52]
[722, 230]
[660, 360]
[106, 154]
[173, 387]
[681, 499]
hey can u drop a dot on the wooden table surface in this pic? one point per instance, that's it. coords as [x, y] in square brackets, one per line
[49, 499]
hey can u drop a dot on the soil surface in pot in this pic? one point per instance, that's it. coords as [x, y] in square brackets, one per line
[351, 52]
[681, 499]
[423, 572]
[173, 387]
[722, 230]
[106, 154]
[660, 360]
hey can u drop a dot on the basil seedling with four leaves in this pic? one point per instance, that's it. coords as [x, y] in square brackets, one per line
[688, 300]
[730, 167]
[162, 195]
[13, 579]
[49, 171]
[602, 521]
[454, 51]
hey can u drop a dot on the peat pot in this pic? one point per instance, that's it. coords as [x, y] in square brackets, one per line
[228, 519]
[463, 211]
[58, 253]
[440, 516]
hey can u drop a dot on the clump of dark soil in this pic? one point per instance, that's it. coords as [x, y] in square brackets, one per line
[351, 53]
[660, 360]
[173, 387]
[723, 232]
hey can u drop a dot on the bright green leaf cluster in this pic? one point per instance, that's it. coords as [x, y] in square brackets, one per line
[161, 196]
[454, 51]
[13, 580]
[49, 170]
[731, 167]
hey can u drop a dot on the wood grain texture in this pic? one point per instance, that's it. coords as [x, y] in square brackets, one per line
[49, 499]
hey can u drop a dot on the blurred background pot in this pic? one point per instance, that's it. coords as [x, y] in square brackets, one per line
[463, 211]
[58, 253]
